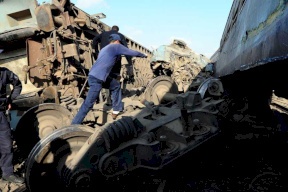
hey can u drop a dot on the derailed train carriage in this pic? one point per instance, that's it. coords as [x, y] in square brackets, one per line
[49, 47]
[80, 157]
[246, 73]
[251, 58]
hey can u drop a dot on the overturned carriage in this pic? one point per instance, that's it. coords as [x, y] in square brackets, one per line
[251, 59]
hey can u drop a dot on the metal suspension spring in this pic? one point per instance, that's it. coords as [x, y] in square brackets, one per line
[67, 100]
[119, 132]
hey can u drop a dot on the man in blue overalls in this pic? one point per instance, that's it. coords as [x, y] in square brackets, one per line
[7, 77]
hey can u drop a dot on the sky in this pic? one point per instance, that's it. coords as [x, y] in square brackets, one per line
[152, 23]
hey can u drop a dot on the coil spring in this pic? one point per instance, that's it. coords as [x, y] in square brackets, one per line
[119, 132]
[67, 100]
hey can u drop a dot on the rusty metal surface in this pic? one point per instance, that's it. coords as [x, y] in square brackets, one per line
[246, 165]
[151, 138]
[52, 59]
[37, 123]
[55, 154]
[50, 49]
[58, 50]
[178, 61]
[149, 135]
[255, 34]
[158, 89]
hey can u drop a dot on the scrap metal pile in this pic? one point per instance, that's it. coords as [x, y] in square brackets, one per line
[178, 61]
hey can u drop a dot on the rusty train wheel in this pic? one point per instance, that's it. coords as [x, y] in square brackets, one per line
[37, 123]
[51, 155]
[158, 88]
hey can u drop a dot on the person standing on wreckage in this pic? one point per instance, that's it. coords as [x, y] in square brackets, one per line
[100, 41]
[98, 77]
[6, 146]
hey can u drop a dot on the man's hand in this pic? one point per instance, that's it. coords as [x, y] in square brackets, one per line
[9, 106]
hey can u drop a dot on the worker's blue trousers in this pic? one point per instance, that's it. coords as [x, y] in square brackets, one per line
[95, 86]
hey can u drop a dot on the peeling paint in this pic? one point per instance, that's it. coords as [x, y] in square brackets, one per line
[271, 18]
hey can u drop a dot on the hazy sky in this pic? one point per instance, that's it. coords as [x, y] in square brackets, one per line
[151, 23]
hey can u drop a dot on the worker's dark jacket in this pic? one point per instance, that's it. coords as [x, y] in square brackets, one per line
[8, 77]
[103, 39]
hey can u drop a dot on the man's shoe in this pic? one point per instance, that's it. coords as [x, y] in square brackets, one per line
[114, 116]
[13, 179]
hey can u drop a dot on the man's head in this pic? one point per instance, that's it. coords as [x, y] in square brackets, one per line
[114, 37]
[115, 28]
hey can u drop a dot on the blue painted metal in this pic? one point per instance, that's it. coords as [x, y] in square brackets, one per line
[255, 34]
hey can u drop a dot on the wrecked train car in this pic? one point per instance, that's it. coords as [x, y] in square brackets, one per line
[251, 58]
[176, 69]
[150, 137]
[82, 157]
[246, 71]
[251, 63]
[49, 46]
